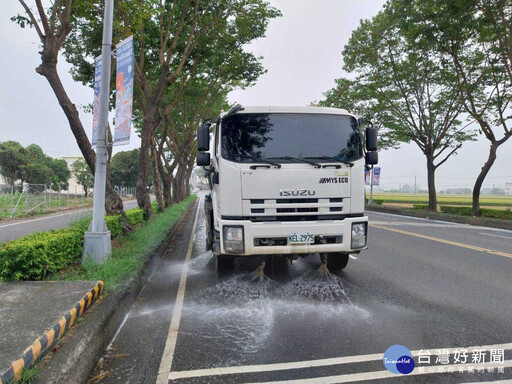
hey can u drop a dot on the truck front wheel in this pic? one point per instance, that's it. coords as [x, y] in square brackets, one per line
[337, 261]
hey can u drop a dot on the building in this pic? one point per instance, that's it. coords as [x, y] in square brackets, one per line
[508, 188]
[73, 185]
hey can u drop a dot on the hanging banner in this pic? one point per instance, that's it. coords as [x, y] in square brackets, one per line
[96, 102]
[124, 91]
[376, 176]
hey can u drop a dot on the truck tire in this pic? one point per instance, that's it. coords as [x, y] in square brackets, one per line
[209, 234]
[337, 261]
[225, 263]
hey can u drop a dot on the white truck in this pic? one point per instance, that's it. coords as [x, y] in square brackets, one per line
[286, 181]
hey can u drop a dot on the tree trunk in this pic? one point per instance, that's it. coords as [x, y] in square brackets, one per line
[180, 183]
[188, 174]
[431, 180]
[141, 189]
[166, 183]
[156, 180]
[48, 69]
[481, 177]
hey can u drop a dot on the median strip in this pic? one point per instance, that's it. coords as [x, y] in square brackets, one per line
[450, 242]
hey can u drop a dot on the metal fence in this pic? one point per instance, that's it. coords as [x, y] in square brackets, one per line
[125, 192]
[30, 199]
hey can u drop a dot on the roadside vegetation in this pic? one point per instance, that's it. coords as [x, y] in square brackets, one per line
[411, 198]
[494, 207]
[56, 255]
[436, 74]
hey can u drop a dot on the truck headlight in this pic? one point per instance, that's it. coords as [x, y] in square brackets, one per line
[358, 235]
[234, 239]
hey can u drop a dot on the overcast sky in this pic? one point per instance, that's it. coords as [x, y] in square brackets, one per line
[302, 53]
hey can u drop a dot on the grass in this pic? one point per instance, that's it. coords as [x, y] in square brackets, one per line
[28, 376]
[128, 253]
[37, 205]
[411, 198]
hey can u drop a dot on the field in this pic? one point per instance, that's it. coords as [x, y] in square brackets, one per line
[411, 198]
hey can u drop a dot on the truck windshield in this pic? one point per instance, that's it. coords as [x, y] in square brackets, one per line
[290, 137]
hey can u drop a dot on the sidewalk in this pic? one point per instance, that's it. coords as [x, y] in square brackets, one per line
[35, 314]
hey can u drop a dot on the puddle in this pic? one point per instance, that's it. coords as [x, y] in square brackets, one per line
[244, 329]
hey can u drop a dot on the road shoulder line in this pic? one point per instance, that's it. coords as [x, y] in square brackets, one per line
[170, 344]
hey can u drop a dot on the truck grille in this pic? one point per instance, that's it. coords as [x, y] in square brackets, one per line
[295, 209]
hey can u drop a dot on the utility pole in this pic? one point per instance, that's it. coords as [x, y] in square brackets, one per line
[415, 184]
[97, 242]
[370, 202]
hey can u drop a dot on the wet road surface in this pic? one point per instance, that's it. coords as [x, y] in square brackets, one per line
[427, 285]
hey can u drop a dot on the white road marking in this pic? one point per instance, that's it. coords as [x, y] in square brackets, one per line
[413, 224]
[170, 344]
[307, 364]
[488, 234]
[507, 381]
[458, 225]
[364, 376]
[353, 257]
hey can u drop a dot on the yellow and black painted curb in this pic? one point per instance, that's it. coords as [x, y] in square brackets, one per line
[45, 342]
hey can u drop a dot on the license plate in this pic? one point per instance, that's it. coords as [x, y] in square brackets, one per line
[301, 238]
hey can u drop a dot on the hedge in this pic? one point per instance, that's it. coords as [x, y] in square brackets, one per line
[35, 256]
[420, 207]
[135, 216]
[484, 212]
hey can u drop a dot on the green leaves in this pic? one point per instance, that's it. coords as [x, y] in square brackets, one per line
[31, 165]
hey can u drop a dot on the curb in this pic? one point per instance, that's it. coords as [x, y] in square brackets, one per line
[45, 342]
[77, 357]
[477, 221]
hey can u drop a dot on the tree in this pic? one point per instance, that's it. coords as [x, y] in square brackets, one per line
[407, 88]
[83, 175]
[53, 25]
[61, 174]
[475, 39]
[31, 165]
[347, 94]
[11, 158]
[170, 39]
[124, 168]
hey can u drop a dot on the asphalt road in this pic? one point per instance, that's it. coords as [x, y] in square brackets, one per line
[19, 228]
[426, 285]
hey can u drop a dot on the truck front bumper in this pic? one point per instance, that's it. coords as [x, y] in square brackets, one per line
[330, 236]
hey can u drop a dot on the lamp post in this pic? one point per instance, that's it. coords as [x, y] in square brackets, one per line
[97, 244]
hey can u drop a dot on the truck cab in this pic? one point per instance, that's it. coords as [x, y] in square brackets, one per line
[285, 181]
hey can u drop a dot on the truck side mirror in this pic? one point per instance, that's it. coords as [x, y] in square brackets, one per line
[371, 158]
[371, 139]
[203, 159]
[203, 138]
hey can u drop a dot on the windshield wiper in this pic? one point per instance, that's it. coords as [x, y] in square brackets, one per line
[331, 158]
[298, 159]
[258, 159]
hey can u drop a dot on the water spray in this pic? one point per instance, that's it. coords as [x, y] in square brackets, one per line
[323, 268]
[259, 271]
